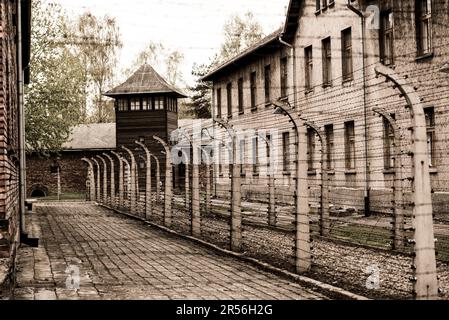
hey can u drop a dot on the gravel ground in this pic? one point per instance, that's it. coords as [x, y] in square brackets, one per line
[343, 265]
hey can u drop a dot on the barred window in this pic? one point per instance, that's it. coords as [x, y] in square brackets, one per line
[329, 132]
[350, 145]
[253, 80]
[346, 47]
[430, 127]
[327, 62]
[308, 68]
[387, 38]
[219, 103]
[240, 96]
[423, 11]
[267, 73]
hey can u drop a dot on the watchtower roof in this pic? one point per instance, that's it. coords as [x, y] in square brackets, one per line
[145, 81]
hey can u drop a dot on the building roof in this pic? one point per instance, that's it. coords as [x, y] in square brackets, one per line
[95, 136]
[269, 42]
[145, 81]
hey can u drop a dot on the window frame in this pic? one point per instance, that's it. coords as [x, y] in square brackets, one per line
[431, 135]
[267, 83]
[424, 19]
[284, 76]
[253, 90]
[219, 114]
[240, 95]
[347, 55]
[326, 45]
[286, 151]
[229, 99]
[386, 37]
[330, 146]
[350, 146]
[308, 68]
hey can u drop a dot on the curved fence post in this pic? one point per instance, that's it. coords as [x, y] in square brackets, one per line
[98, 180]
[133, 191]
[168, 195]
[425, 282]
[148, 188]
[112, 202]
[120, 179]
[105, 180]
[324, 187]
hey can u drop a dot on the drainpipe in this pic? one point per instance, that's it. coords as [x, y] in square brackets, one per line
[21, 120]
[365, 111]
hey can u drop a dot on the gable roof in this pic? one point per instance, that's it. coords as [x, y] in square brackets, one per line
[270, 42]
[95, 136]
[145, 81]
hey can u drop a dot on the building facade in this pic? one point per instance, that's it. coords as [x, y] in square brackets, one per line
[14, 60]
[322, 65]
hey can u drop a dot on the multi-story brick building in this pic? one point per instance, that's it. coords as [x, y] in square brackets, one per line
[323, 65]
[14, 60]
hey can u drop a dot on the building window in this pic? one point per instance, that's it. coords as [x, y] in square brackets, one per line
[219, 103]
[430, 127]
[123, 104]
[424, 26]
[253, 90]
[350, 145]
[229, 99]
[159, 103]
[329, 132]
[308, 52]
[268, 144]
[388, 145]
[387, 38]
[310, 148]
[346, 47]
[256, 154]
[240, 94]
[327, 62]
[318, 5]
[286, 150]
[135, 104]
[147, 104]
[242, 156]
[267, 73]
[284, 77]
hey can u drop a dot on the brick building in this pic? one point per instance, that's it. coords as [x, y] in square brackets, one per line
[146, 106]
[14, 61]
[322, 64]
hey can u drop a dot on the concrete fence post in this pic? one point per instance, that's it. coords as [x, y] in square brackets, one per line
[195, 205]
[91, 177]
[133, 190]
[208, 178]
[112, 202]
[398, 214]
[105, 180]
[168, 195]
[188, 194]
[148, 182]
[425, 282]
[236, 189]
[98, 180]
[324, 187]
[158, 178]
[120, 180]
[127, 186]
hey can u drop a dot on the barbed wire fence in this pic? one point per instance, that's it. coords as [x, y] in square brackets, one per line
[290, 192]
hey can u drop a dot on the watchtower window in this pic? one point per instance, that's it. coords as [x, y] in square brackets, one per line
[159, 103]
[122, 104]
[135, 104]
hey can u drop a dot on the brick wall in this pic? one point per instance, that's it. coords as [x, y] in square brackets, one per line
[9, 156]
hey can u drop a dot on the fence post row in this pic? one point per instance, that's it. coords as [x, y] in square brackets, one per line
[425, 280]
[133, 191]
[148, 188]
[158, 178]
[168, 196]
[324, 187]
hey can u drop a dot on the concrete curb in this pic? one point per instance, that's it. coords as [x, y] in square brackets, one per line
[341, 294]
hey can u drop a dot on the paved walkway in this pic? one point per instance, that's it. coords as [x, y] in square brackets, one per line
[120, 258]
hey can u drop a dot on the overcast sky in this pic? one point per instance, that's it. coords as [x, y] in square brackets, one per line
[194, 27]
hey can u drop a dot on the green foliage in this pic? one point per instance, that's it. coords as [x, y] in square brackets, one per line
[54, 98]
[199, 106]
